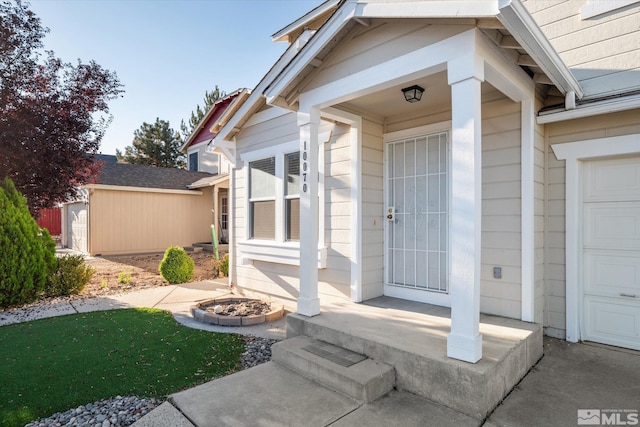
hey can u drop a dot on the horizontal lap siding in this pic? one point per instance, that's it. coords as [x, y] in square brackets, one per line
[279, 280]
[372, 210]
[501, 200]
[382, 41]
[575, 130]
[602, 51]
[501, 205]
[126, 222]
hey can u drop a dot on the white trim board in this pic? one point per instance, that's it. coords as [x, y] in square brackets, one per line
[574, 153]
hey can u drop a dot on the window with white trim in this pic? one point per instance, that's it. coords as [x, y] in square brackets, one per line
[272, 177]
[262, 199]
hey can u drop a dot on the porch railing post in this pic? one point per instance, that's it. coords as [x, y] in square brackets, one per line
[465, 75]
[308, 301]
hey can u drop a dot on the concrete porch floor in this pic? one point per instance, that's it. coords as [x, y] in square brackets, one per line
[412, 337]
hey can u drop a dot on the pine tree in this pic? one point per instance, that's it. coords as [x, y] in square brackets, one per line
[154, 144]
[210, 98]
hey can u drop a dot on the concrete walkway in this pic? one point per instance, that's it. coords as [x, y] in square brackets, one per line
[569, 378]
[177, 299]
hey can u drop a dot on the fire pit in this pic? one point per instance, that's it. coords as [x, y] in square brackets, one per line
[236, 311]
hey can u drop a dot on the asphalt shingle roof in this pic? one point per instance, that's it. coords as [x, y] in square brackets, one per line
[126, 175]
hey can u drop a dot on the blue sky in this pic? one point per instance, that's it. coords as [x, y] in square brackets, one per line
[167, 53]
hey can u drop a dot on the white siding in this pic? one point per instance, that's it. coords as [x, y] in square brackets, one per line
[382, 41]
[372, 210]
[602, 52]
[281, 281]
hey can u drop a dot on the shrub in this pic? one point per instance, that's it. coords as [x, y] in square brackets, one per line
[224, 265]
[26, 252]
[124, 278]
[71, 276]
[176, 266]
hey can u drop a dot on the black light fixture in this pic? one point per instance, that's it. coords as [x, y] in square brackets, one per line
[413, 93]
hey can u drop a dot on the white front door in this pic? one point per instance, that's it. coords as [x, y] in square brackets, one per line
[417, 219]
[611, 252]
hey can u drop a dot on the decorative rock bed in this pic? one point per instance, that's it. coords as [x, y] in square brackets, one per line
[217, 311]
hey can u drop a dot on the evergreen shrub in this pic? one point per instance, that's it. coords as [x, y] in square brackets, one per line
[70, 278]
[27, 254]
[176, 266]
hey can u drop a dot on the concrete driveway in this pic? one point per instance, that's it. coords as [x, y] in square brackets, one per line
[601, 382]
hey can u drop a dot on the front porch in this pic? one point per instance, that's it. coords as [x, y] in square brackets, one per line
[412, 338]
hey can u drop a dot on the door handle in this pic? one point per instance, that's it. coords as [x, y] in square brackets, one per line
[622, 294]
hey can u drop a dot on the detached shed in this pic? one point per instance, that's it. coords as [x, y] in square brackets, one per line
[138, 209]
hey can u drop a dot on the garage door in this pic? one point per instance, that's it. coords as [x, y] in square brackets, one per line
[77, 227]
[611, 252]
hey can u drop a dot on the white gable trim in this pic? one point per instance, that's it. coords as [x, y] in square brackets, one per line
[574, 153]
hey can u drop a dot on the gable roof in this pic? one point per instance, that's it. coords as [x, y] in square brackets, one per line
[203, 131]
[305, 53]
[126, 175]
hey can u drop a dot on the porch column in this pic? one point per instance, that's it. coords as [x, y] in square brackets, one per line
[465, 75]
[216, 213]
[308, 301]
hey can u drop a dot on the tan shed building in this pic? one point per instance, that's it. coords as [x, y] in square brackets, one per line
[139, 209]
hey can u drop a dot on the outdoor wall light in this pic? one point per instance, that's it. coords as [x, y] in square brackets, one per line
[413, 93]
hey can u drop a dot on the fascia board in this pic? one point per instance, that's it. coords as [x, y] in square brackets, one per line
[197, 129]
[593, 109]
[517, 20]
[231, 109]
[303, 58]
[283, 34]
[428, 9]
[141, 189]
[256, 94]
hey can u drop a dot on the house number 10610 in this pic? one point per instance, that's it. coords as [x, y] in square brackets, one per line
[304, 167]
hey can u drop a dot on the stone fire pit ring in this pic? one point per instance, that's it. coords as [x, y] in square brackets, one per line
[201, 314]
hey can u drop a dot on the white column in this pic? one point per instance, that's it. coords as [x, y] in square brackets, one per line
[308, 301]
[465, 75]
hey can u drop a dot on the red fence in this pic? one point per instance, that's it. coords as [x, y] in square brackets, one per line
[51, 219]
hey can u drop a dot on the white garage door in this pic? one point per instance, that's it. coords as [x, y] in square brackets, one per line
[611, 252]
[77, 227]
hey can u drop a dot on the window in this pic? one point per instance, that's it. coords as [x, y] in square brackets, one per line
[193, 162]
[292, 196]
[224, 213]
[272, 177]
[262, 199]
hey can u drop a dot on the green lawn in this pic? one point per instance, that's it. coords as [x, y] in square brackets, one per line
[55, 364]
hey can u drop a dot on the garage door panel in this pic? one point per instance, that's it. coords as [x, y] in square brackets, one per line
[612, 225]
[612, 273]
[613, 322]
[616, 179]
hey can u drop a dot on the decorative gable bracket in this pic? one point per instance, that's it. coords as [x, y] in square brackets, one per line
[226, 148]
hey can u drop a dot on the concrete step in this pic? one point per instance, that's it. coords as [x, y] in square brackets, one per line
[414, 344]
[353, 374]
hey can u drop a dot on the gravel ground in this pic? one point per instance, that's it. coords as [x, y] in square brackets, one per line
[124, 411]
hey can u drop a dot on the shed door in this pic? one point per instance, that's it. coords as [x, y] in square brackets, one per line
[611, 252]
[77, 227]
[417, 221]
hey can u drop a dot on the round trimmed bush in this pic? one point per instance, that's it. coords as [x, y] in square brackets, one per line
[176, 266]
[27, 254]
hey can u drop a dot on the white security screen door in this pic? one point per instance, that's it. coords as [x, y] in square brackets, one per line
[417, 214]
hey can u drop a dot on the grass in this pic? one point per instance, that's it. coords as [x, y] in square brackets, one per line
[51, 365]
